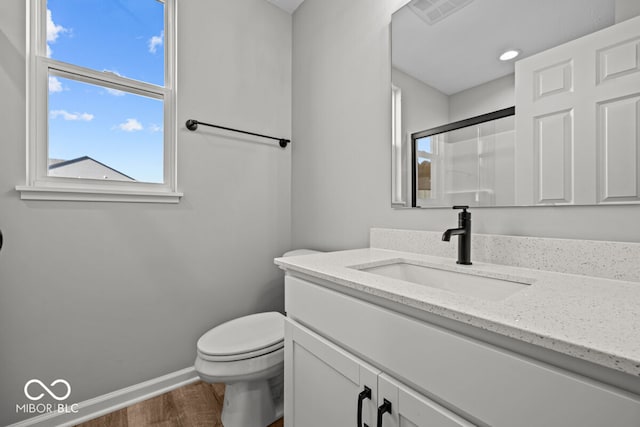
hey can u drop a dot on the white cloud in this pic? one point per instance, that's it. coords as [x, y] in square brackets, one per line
[154, 128]
[85, 117]
[156, 41]
[114, 92]
[55, 85]
[131, 125]
[53, 31]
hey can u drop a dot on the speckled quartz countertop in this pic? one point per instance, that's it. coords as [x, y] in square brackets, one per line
[595, 319]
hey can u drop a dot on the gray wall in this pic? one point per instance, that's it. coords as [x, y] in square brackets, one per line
[107, 295]
[485, 98]
[626, 9]
[423, 107]
[341, 155]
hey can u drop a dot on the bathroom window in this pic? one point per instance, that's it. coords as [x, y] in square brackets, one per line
[424, 156]
[101, 114]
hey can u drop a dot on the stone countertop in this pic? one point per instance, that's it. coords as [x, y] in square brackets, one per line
[590, 318]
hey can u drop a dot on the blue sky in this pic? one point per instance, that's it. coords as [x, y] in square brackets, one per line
[125, 37]
[424, 147]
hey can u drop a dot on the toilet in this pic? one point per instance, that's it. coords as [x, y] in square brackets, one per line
[247, 354]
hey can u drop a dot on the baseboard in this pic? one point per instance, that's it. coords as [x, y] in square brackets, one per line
[110, 402]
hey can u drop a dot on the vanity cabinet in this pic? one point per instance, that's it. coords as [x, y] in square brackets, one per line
[327, 386]
[336, 344]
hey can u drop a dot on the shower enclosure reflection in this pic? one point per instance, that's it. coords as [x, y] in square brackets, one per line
[470, 162]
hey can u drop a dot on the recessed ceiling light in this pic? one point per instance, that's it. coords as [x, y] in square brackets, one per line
[509, 55]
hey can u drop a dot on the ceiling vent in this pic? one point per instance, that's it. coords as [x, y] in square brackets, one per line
[432, 11]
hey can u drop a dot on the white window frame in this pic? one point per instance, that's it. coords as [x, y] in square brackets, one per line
[397, 179]
[41, 186]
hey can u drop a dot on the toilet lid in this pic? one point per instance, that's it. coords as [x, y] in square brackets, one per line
[248, 334]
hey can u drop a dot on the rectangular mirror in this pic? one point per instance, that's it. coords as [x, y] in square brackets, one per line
[449, 86]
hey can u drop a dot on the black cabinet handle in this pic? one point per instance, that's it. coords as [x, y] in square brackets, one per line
[364, 394]
[383, 409]
[0, 239]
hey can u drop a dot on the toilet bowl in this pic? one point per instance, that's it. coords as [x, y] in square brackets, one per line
[247, 354]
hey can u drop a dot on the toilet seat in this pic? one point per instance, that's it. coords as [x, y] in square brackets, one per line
[243, 349]
[264, 366]
[241, 356]
[243, 338]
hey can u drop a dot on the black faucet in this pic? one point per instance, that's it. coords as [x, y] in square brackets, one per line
[464, 235]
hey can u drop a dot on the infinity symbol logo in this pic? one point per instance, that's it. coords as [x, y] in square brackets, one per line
[51, 393]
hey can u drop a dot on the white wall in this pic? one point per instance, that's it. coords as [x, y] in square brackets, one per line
[107, 295]
[341, 155]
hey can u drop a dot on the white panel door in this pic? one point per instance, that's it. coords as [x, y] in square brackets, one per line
[619, 150]
[578, 120]
[553, 154]
[323, 382]
[547, 104]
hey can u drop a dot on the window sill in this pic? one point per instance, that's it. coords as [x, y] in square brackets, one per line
[87, 195]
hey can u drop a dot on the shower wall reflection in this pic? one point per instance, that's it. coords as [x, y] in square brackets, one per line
[472, 165]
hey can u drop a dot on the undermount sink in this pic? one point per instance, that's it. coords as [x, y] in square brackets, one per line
[470, 284]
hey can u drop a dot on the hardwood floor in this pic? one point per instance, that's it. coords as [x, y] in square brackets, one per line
[194, 405]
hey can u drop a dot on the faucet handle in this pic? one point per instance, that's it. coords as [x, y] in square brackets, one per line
[464, 215]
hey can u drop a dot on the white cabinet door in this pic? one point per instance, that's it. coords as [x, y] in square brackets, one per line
[323, 382]
[407, 408]
[577, 120]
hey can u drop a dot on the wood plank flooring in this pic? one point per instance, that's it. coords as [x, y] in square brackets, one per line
[194, 405]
